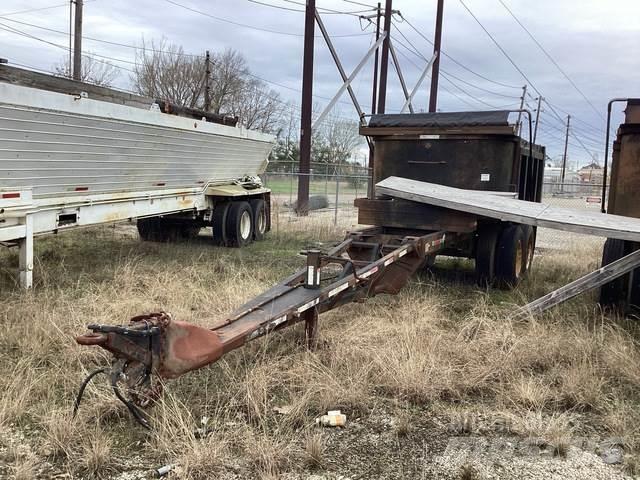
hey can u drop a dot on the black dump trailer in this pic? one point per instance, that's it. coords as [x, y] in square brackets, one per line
[468, 150]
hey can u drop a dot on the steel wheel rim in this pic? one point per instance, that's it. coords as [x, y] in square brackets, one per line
[245, 225]
[530, 252]
[261, 222]
[518, 265]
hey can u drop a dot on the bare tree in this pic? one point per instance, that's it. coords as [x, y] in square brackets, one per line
[163, 71]
[229, 74]
[257, 107]
[341, 138]
[95, 71]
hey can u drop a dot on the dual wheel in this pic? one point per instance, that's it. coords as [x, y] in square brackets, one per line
[238, 223]
[504, 254]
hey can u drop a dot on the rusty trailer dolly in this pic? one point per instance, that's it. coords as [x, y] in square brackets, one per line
[367, 263]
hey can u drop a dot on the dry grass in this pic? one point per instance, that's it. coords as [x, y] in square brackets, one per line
[439, 345]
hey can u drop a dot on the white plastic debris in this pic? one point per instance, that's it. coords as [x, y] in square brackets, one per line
[333, 418]
[162, 471]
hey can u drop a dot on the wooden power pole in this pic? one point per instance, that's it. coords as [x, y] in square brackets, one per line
[384, 61]
[522, 100]
[374, 99]
[77, 42]
[535, 128]
[304, 169]
[435, 72]
[207, 82]
[564, 156]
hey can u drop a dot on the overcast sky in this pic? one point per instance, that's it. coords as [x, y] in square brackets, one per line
[595, 42]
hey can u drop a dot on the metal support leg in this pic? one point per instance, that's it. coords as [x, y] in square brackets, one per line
[26, 254]
[313, 269]
[311, 328]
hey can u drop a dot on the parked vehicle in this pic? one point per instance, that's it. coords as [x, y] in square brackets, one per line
[75, 155]
[469, 150]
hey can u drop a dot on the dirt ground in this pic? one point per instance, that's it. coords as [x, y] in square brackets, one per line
[436, 382]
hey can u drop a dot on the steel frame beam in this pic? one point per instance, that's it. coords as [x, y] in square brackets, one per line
[403, 84]
[348, 81]
[419, 82]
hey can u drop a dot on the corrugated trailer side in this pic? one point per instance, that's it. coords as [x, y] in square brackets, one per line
[68, 160]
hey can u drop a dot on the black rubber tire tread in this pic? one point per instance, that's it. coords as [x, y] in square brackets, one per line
[233, 224]
[258, 207]
[530, 244]
[510, 238]
[151, 230]
[219, 224]
[614, 293]
[486, 245]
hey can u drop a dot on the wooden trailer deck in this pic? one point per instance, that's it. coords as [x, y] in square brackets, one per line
[486, 204]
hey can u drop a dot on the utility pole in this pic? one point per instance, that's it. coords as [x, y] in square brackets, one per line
[207, 81]
[535, 130]
[524, 95]
[374, 99]
[435, 72]
[564, 157]
[382, 96]
[70, 73]
[77, 42]
[304, 168]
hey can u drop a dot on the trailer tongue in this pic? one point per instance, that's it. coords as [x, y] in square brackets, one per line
[365, 264]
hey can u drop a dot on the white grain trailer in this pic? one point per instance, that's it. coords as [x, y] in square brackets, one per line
[82, 155]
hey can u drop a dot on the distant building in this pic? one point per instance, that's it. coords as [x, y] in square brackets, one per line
[591, 173]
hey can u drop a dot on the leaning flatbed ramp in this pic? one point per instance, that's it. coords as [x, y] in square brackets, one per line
[486, 204]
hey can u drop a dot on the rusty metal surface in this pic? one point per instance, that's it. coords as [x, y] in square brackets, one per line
[624, 194]
[367, 262]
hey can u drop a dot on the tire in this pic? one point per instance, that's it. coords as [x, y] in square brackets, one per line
[260, 220]
[151, 230]
[530, 244]
[486, 245]
[510, 257]
[239, 224]
[614, 293]
[219, 224]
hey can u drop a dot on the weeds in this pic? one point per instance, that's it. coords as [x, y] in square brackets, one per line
[439, 346]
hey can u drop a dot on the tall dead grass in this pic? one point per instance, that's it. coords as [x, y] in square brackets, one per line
[436, 344]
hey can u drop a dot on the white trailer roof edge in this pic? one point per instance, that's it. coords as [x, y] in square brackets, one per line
[20, 96]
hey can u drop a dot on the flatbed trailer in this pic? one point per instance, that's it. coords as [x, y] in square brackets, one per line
[427, 219]
[368, 262]
[74, 155]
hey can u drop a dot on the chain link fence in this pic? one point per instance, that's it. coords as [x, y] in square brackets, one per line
[333, 189]
[574, 195]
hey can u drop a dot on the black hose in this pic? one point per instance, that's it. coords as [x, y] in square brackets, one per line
[84, 384]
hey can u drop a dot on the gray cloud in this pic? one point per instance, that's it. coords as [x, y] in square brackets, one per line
[595, 42]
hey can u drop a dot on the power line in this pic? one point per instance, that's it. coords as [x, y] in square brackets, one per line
[35, 9]
[515, 65]
[13, 30]
[504, 52]
[479, 75]
[324, 10]
[144, 48]
[253, 27]
[445, 74]
[399, 43]
[552, 60]
[280, 7]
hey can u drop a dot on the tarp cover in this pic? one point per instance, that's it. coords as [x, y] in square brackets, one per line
[442, 119]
